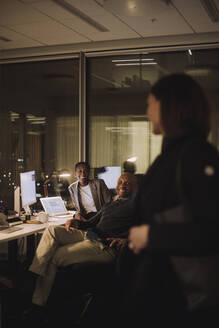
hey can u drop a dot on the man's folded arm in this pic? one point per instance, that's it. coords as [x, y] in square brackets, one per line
[92, 222]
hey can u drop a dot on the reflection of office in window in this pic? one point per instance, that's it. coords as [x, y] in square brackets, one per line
[39, 123]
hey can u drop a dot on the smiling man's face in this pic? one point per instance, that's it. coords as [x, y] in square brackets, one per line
[82, 174]
[125, 186]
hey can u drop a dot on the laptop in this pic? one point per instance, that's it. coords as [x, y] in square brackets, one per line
[54, 206]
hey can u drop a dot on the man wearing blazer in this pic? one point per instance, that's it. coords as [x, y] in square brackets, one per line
[88, 195]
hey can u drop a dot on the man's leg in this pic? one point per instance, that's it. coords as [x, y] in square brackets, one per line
[53, 238]
[81, 252]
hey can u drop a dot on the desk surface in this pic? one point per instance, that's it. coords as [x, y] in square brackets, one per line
[29, 229]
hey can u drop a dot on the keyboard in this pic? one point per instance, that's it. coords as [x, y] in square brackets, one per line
[14, 221]
[10, 229]
[61, 216]
[64, 215]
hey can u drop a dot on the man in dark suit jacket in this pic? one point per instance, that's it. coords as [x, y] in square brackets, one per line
[88, 195]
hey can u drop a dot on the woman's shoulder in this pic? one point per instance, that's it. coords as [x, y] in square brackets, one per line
[200, 155]
[201, 148]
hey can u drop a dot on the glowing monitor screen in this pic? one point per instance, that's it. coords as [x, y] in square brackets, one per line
[28, 188]
[110, 176]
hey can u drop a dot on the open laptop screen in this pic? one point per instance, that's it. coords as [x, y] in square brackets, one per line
[53, 205]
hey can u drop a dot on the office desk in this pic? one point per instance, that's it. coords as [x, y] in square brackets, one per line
[29, 231]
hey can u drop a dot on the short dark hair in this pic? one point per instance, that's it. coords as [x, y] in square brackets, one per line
[82, 163]
[129, 167]
[184, 106]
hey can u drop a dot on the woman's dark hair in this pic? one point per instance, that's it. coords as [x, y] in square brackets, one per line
[184, 106]
[82, 163]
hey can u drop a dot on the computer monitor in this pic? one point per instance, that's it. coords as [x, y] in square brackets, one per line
[28, 189]
[110, 175]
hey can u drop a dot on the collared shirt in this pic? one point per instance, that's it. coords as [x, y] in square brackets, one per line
[86, 199]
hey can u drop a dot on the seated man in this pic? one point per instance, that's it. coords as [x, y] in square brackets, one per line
[88, 196]
[82, 241]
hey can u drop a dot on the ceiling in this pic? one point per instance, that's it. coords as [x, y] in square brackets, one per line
[39, 24]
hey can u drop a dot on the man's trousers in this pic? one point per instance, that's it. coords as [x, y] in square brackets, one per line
[60, 248]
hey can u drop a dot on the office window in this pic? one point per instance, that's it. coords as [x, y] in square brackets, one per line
[118, 126]
[39, 124]
[117, 91]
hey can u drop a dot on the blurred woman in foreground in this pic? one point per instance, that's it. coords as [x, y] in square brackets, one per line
[176, 234]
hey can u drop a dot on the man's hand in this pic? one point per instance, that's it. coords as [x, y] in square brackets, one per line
[118, 243]
[138, 238]
[71, 223]
[78, 216]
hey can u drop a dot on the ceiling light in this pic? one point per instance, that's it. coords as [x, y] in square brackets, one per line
[31, 117]
[128, 60]
[190, 52]
[38, 123]
[199, 70]
[76, 12]
[136, 64]
[132, 159]
[132, 5]
[64, 173]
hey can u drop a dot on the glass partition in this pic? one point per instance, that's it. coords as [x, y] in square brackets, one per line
[39, 125]
[116, 99]
[118, 127]
[39, 114]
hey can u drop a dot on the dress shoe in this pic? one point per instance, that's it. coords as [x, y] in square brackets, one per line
[34, 316]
